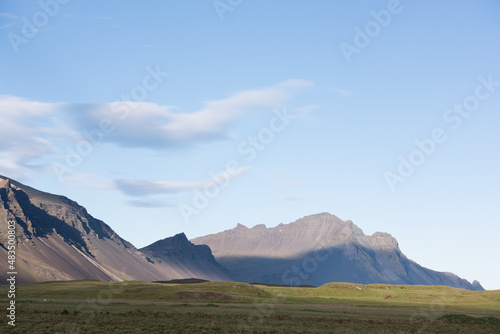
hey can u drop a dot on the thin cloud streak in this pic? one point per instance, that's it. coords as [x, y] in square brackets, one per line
[139, 188]
[8, 15]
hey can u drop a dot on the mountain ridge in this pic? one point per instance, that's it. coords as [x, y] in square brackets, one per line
[57, 239]
[179, 250]
[318, 249]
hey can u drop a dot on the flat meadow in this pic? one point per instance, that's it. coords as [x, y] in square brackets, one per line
[90, 306]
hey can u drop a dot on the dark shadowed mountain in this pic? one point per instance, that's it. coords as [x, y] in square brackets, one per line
[181, 254]
[319, 249]
[57, 239]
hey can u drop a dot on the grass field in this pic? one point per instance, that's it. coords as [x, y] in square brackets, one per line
[226, 307]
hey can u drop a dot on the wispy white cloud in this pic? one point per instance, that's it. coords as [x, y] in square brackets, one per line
[88, 181]
[8, 15]
[154, 126]
[29, 131]
[33, 133]
[141, 188]
[5, 26]
[11, 169]
[342, 92]
[305, 112]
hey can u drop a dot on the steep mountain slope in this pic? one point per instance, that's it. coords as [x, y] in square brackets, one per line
[58, 240]
[319, 249]
[192, 260]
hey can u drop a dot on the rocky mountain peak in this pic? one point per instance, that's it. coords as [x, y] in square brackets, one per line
[356, 231]
[178, 241]
[384, 240]
[4, 183]
[241, 227]
[180, 250]
[259, 227]
[476, 286]
[181, 237]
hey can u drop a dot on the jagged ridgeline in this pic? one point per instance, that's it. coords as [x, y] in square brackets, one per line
[57, 239]
[319, 249]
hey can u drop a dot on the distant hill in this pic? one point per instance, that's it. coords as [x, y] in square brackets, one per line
[318, 249]
[57, 239]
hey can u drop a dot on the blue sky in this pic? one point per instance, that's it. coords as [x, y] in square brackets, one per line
[163, 117]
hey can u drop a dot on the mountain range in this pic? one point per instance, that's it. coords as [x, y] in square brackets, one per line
[57, 239]
[319, 249]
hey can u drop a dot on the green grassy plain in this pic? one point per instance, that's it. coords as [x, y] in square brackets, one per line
[89, 306]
